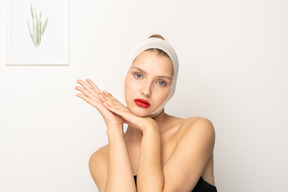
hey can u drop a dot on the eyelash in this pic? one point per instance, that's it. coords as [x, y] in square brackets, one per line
[161, 82]
[136, 75]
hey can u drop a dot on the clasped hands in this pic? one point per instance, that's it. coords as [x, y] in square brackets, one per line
[113, 112]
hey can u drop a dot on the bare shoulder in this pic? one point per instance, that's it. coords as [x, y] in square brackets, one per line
[194, 143]
[197, 124]
[99, 156]
[98, 165]
[197, 127]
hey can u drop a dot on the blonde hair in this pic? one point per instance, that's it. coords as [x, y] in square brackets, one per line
[157, 36]
[158, 51]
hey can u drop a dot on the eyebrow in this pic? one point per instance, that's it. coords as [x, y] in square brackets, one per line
[162, 76]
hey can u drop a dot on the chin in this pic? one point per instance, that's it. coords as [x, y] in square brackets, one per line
[141, 112]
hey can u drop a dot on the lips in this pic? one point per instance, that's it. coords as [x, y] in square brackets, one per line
[142, 103]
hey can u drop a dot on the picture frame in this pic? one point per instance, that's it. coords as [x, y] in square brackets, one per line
[37, 32]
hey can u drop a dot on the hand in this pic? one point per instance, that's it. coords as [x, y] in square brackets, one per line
[90, 94]
[118, 108]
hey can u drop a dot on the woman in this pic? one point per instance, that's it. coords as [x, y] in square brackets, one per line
[158, 152]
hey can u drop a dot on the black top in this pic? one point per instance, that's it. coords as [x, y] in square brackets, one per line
[201, 186]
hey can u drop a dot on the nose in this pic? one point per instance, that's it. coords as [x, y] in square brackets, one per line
[146, 89]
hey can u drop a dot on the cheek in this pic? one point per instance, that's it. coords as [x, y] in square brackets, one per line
[161, 94]
[129, 88]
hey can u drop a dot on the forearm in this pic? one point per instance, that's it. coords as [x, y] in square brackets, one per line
[150, 174]
[120, 177]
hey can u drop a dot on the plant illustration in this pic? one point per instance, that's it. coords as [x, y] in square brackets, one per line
[38, 28]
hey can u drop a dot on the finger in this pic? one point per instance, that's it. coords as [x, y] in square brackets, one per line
[99, 106]
[109, 97]
[113, 106]
[122, 111]
[87, 99]
[81, 89]
[93, 85]
[116, 108]
[83, 83]
[107, 102]
[85, 92]
[101, 97]
[113, 109]
[86, 86]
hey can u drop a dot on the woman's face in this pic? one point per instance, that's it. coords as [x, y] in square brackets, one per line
[148, 82]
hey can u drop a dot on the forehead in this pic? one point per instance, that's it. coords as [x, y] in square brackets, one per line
[152, 62]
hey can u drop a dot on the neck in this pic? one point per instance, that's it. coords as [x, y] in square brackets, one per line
[161, 118]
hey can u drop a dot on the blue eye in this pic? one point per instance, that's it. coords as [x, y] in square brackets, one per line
[161, 83]
[137, 76]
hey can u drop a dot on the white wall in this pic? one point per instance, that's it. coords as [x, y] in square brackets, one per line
[233, 70]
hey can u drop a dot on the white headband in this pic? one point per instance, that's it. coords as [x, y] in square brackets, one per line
[159, 44]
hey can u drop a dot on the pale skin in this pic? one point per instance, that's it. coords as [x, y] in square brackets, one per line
[167, 153]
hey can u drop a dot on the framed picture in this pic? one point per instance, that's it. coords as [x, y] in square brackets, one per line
[37, 32]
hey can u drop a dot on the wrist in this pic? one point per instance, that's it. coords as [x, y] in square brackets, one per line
[114, 130]
[147, 124]
[150, 128]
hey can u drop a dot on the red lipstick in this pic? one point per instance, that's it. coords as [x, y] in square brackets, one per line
[142, 103]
